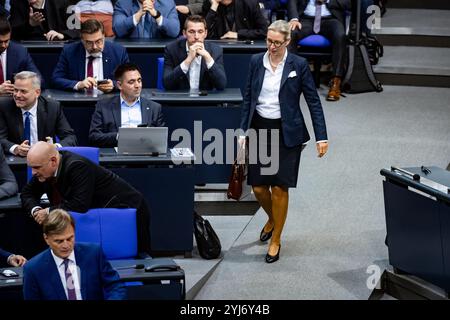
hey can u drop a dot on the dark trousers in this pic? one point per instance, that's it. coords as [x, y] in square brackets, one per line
[142, 221]
[331, 29]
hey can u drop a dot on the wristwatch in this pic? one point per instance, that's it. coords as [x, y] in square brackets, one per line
[158, 14]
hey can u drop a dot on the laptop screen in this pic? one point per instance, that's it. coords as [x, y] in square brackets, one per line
[142, 141]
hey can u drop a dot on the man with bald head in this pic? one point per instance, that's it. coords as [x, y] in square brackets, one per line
[74, 183]
[28, 117]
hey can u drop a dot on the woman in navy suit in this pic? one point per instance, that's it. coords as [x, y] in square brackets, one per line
[275, 83]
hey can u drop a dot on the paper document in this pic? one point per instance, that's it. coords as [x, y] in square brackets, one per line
[181, 152]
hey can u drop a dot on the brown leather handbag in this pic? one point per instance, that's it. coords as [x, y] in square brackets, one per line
[237, 179]
[237, 186]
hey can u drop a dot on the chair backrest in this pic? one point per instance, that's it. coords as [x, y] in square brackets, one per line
[160, 68]
[114, 229]
[90, 153]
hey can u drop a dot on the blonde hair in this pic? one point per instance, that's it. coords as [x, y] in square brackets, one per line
[282, 27]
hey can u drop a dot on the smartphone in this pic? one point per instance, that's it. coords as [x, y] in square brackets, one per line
[9, 273]
[102, 81]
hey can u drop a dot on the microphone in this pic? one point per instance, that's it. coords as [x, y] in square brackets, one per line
[136, 266]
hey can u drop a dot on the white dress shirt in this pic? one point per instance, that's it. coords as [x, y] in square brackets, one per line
[3, 62]
[268, 105]
[194, 69]
[131, 115]
[74, 270]
[33, 125]
[97, 65]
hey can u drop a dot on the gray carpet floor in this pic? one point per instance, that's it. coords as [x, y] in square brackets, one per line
[336, 227]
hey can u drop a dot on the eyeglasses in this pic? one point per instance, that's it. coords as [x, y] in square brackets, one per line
[277, 44]
[97, 43]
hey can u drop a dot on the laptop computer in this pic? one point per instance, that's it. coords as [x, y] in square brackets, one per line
[142, 141]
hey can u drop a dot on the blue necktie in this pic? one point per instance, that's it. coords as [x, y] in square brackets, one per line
[145, 26]
[27, 127]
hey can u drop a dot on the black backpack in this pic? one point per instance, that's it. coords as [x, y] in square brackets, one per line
[374, 48]
[359, 76]
[208, 243]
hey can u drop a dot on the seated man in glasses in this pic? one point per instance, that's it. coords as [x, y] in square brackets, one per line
[89, 63]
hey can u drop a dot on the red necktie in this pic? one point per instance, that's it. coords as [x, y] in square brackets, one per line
[2, 79]
[90, 67]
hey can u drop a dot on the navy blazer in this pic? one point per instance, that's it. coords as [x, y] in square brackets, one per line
[18, 59]
[3, 257]
[174, 78]
[107, 118]
[51, 122]
[98, 280]
[296, 79]
[71, 66]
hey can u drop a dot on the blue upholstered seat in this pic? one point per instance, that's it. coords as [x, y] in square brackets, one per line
[114, 229]
[159, 80]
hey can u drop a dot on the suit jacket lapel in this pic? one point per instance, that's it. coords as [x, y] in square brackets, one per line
[10, 63]
[146, 112]
[117, 113]
[259, 77]
[286, 70]
[106, 61]
[55, 279]
[81, 264]
[81, 62]
[19, 122]
[41, 120]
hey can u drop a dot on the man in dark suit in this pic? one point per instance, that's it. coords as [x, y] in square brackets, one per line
[13, 59]
[82, 64]
[74, 183]
[234, 19]
[69, 271]
[192, 63]
[8, 183]
[127, 110]
[11, 259]
[43, 20]
[330, 23]
[29, 117]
